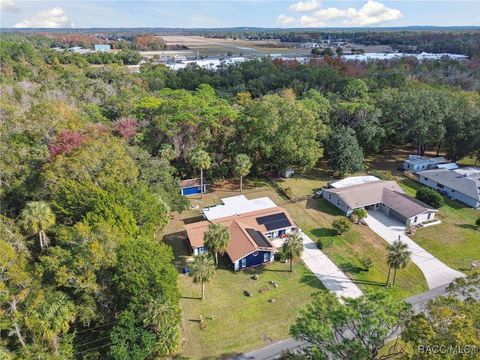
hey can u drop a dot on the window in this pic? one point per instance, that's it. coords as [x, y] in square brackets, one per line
[255, 253]
[330, 196]
[429, 216]
[266, 257]
[243, 262]
[440, 186]
[415, 220]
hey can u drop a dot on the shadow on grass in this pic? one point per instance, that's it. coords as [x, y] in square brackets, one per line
[351, 268]
[192, 297]
[180, 247]
[311, 280]
[368, 282]
[323, 205]
[323, 232]
[193, 219]
[468, 226]
[225, 356]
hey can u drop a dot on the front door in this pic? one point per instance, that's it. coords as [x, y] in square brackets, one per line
[243, 263]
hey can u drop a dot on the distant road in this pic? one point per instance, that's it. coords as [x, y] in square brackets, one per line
[273, 351]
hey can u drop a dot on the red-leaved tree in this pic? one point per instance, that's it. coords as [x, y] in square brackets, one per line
[65, 142]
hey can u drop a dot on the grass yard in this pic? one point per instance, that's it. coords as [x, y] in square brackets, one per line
[237, 323]
[306, 184]
[243, 323]
[455, 241]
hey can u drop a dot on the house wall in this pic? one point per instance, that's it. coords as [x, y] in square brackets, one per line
[415, 220]
[199, 250]
[254, 259]
[278, 232]
[451, 193]
[335, 200]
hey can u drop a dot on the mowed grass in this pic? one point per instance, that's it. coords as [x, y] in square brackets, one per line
[455, 241]
[243, 323]
[306, 184]
[237, 323]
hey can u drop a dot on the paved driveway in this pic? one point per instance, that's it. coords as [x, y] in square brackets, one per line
[325, 270]
[436, 272]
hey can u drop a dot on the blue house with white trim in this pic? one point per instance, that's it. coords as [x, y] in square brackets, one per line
[192, 187]
[250, 232]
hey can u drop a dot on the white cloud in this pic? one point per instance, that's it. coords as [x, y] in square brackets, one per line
[52, 18]
[9, 6]
[372, 13]
[310, 21]
[308, 5]
[286, 20]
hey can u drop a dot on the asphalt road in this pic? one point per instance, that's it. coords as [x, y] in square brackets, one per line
[273, 351]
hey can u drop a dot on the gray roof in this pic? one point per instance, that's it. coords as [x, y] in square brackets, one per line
[468, 185]
[404, 204]
[386, 192]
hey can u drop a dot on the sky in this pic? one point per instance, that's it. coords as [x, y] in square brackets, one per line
[233, 13]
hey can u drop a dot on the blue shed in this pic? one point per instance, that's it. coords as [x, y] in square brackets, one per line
[192, 187]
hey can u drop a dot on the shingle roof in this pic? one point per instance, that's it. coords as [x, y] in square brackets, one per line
[191, 182]
[468, 185]
[387, 192]
[241, 242]
[362, 195]
[404, 204]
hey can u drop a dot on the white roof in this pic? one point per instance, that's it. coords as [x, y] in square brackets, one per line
[448, 166]
[353, 180]
[236, 205]
[468, 171]
[417, 159]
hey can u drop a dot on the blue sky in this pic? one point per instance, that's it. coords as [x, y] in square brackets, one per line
[267, 13]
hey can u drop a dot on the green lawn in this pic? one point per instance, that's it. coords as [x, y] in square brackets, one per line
[235, 322]
[243, 323]
[455, 241]
[306, 184]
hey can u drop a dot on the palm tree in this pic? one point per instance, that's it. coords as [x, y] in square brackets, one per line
[242, 167]
[201, 160]
[293, 247]
[216, 239]
[202, 270]
[37, 217]
[398, 258]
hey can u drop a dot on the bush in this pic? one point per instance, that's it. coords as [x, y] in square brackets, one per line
[430, 197]
[341, 225]
[325, 243]
[478, 222]
[361, 213]
[354, 218]
[367, 263]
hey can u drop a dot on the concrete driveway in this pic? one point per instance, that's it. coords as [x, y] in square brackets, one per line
[325, 270]
[436, 272]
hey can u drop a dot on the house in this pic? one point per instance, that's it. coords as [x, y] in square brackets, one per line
[252, 225]
[102, 48]
[459, 184]
[192, 187]
[416, 163]
[386, 196]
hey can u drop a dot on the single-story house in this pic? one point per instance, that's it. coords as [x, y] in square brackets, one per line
[461, 184]
[250, 232]
[102, 48]
[192, 187]
[386, 196]
[416, 163]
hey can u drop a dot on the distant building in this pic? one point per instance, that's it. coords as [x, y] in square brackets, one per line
[179, 58]
[102, 48]
[386, 196]
[251, 224]
[79, 50]
[308, 45]
[416, 163]
[461, 184]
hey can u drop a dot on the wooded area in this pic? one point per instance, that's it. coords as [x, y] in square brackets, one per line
[91, 159]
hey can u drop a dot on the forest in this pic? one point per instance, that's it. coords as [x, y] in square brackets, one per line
[91, 159]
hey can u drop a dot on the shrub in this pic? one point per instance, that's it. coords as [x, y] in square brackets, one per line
[361, 213]
[341, 225]
[430, 197]
[354, 218]
[478, 222]
[367, 263]
[325, 243]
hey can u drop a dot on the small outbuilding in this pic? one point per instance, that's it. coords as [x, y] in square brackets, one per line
[192, 187]
[416, 163]
[102, 48]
